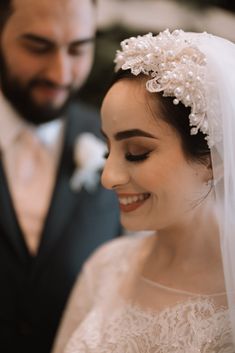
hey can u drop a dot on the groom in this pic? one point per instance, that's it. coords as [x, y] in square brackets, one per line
[47, 229]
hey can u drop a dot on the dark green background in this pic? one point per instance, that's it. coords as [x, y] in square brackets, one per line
[108, 41]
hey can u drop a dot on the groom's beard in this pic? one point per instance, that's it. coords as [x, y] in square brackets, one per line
[22, 101]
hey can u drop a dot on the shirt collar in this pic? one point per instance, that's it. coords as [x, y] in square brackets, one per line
[10, 123]
[49, 133]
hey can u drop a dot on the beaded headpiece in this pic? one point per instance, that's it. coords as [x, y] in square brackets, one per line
[176, 67]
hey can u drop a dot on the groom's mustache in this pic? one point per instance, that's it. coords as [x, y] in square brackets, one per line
[44, 83]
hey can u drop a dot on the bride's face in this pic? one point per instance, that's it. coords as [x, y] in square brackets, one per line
[156, 185]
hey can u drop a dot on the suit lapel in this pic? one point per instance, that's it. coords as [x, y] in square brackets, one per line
[63, 202]
[8, 220]
[64, 199]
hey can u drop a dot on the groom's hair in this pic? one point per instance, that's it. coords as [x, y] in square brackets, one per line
[6, 9]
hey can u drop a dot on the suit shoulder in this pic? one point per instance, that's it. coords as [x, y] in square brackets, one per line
[83, 118]
[78, 111]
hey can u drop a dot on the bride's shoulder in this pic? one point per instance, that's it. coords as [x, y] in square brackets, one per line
[110, 263]
[116, 251]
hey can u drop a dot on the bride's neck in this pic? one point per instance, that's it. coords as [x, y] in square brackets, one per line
[192, 242]
[187, 257]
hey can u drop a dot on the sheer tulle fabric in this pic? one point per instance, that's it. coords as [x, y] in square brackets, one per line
[221, 103]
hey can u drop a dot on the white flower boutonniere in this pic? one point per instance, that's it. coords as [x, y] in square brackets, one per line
[89, 159]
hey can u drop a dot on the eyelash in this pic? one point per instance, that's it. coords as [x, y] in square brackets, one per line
[136, 157]
[133, 157]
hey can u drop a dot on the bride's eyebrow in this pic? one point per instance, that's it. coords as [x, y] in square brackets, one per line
[126, 134]
[122, 135]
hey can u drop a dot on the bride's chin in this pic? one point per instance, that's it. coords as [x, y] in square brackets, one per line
[131, 226]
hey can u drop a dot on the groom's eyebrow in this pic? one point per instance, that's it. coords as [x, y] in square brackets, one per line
[34, 38]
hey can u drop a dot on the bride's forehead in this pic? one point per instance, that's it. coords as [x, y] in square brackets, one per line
[122, 114]
[130, 95]
[134, 85]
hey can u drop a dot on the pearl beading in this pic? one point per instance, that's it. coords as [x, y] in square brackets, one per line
[176, 67]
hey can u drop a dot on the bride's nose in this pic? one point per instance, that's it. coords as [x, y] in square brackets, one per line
[115, 172]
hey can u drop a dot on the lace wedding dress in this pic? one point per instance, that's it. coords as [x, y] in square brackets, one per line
[113, 311]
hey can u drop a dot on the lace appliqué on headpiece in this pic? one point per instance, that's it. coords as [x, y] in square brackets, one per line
[176, 67]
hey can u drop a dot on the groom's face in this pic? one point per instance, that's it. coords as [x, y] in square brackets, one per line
[46, 53]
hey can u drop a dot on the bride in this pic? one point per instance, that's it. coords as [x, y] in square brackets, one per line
[169, 121]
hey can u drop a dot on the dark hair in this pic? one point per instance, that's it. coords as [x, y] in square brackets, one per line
[6, 10]
[194, 146]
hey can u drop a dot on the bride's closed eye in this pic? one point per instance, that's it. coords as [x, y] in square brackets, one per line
[137, 152]
[132, 157]
[134, 152]
[137, 157]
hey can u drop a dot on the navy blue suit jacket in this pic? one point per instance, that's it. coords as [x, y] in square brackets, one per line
[34, 290]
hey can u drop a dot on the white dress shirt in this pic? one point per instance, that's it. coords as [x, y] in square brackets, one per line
[30, 157]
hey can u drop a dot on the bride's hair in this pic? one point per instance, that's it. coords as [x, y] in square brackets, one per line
[195, 147]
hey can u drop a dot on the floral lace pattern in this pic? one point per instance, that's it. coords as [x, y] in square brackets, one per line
[192, 327]
[189, 323]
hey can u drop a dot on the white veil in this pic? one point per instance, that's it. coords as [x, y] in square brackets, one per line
[220, 96]
[220, 55]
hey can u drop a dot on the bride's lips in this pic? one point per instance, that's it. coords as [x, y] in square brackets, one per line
[130, 202]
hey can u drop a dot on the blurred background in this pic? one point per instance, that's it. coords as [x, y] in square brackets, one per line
[119, 19]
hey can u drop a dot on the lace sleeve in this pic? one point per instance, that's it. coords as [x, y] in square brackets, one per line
[79, 303]
[99, 276]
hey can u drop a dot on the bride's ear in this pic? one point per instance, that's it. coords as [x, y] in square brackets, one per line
[208, 171]
[214, 174]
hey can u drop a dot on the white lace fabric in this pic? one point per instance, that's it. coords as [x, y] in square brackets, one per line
[110, 316]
